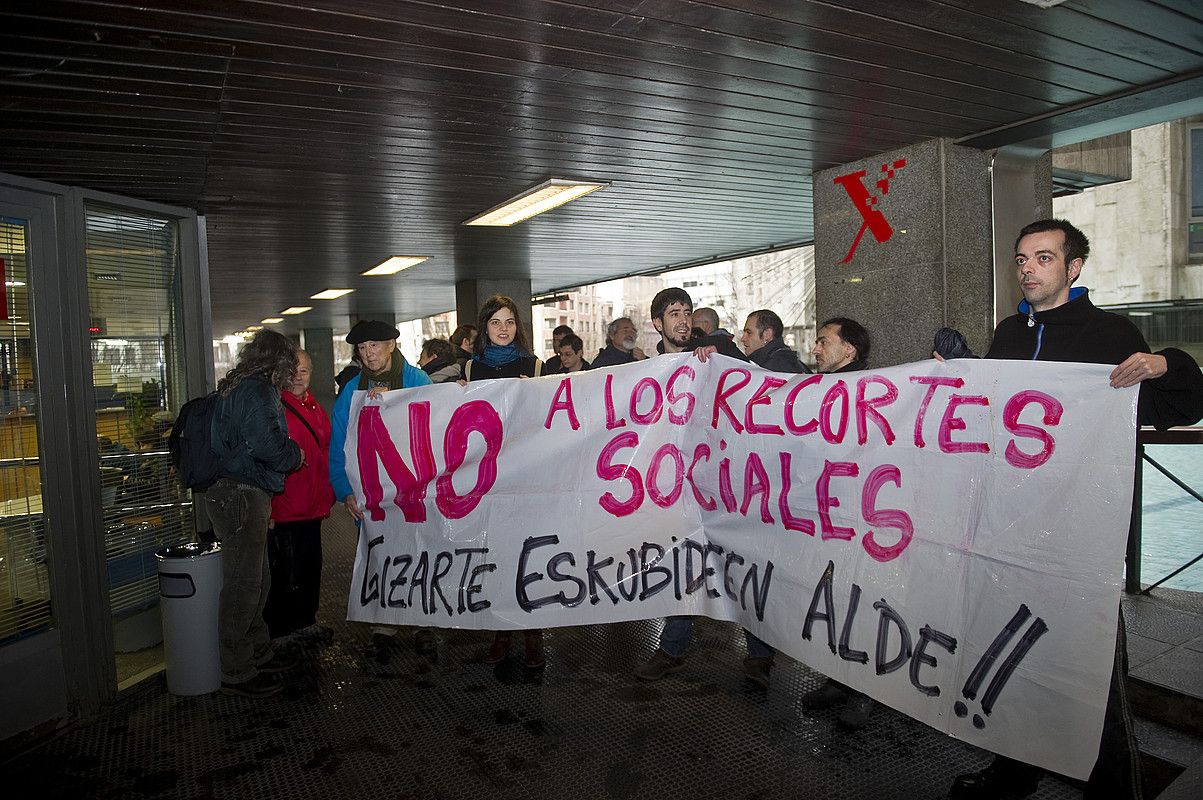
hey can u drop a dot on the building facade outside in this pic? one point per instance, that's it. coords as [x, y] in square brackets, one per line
[1146, 236]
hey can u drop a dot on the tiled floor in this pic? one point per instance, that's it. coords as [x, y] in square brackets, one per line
[355, 725]
[1165, 639]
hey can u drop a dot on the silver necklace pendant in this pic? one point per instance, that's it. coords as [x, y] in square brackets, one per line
[1031, 321]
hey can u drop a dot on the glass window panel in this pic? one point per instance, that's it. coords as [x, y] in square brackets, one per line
[1196, 238]
[24, 581]
[1196, 172]
[139, 383]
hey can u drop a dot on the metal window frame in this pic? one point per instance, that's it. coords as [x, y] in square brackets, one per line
[62, 359]
[1189, 152]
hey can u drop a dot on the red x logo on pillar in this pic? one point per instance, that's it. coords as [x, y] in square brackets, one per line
[872, 219]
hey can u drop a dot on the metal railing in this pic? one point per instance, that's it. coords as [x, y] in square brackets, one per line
[1146, 436]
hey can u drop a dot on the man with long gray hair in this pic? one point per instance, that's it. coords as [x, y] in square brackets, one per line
[250, 436]
[623, 347]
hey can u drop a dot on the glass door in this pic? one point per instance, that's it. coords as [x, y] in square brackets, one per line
[25, 607]
[132, 259]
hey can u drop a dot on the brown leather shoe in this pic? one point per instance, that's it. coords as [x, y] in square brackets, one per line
[534, 648]
[659, 665]
[757, 670]
[262, 685]
[500, 648]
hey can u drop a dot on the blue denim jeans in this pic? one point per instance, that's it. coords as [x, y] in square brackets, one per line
[675, 638]
[239, 513]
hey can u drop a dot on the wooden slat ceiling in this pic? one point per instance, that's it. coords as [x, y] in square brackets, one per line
[321, 137]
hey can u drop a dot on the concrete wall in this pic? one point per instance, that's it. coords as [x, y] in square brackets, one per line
[1138, 228]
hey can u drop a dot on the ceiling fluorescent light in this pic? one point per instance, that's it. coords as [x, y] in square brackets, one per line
[330, 294]
[272, 320]
[395, 265]
[254, 327]
[296, 310]
[536, 200]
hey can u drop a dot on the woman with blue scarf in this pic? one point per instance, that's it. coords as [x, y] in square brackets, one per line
[502, 351]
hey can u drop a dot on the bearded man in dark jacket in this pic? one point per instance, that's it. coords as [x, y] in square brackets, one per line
[1057, 322]
[622, 345]
[672, 316]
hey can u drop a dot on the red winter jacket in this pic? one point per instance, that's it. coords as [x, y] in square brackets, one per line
[307, 492]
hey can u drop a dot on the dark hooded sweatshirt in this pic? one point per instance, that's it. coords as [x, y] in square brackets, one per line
[1081, 331]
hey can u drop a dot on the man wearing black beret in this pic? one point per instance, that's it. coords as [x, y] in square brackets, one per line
[383, 367]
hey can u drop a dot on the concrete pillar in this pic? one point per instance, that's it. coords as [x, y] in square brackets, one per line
[1022, 184]
[904, 245]
[319, 344]
[470, 295]
[498, 261]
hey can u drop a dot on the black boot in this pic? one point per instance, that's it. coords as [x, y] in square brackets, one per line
[1004, 779]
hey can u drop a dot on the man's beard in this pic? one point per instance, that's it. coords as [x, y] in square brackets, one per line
[629, 344]
[676, 342]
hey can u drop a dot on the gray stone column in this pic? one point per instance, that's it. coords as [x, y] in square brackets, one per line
[319, 344]
[904, 244]
[471, 294]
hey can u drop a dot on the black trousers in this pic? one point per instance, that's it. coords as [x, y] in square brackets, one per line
[294, 555]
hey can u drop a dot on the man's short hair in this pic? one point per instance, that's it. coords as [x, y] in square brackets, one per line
[707, 313]
[441, 349]
[561, 330]
[853, 333]
[1076, 244]
[666, 297]
[764, 318]
[461, 334]
[573, 341]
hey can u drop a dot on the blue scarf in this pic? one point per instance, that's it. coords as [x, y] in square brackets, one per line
[499, 356]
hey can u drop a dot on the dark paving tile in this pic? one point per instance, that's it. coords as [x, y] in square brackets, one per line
[1142, 649]
[1189, 785]
[1195, 644]
[1149, 618]
[1179, 669]
[360, 723]
[1167, 743]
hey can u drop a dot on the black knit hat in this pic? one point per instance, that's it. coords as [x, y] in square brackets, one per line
[372, 331]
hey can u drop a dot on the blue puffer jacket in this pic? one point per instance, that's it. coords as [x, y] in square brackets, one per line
[249, 424]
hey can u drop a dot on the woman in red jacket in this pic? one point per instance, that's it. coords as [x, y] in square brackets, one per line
[294, 544]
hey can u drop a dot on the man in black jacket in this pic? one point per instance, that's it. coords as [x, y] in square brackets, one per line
[842, 346]
[672, 315]
[1057, 322]
[553, 365]
[761, 340]
[623, 346]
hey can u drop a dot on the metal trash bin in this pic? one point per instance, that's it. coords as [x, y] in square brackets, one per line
[190, 583]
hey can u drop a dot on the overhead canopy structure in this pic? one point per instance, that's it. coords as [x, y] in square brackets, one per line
[321, 138]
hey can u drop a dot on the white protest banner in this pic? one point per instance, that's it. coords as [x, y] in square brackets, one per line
[947, 538]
